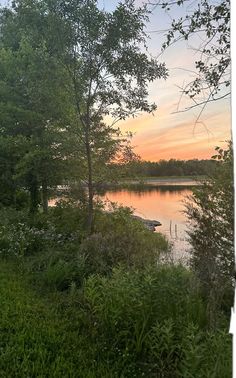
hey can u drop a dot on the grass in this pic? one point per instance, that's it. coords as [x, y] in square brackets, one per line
[53, 334]
[49, 334]
[37, 340]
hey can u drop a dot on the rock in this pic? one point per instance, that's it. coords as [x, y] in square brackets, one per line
[150, 224]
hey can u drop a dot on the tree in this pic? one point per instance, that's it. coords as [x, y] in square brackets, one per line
[10, 153]
[109, 73]
[211, 21]
[34, 100]
[211, 215]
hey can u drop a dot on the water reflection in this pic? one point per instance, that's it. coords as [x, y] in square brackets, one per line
[165, 204]
[162, 204]
[141, 189]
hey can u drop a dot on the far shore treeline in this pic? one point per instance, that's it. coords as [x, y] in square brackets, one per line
[172, 167]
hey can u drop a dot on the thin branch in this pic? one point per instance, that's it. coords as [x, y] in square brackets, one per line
[201, 103]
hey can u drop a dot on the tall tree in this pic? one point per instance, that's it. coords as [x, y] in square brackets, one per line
[109, 71]
[34, 98]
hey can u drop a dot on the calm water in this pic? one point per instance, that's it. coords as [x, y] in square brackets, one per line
[164, 203]
[161, 200]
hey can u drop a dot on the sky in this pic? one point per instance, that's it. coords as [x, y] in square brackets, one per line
[168, 134]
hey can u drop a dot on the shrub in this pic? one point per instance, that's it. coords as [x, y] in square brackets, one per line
[61, 275]
[56, 269]
[211, 232]
[9, 216]
[120, 239]
[24, 235]
[69, 219]
[20, 240]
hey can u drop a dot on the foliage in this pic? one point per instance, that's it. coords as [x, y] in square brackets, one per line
[10, 153]
[103, 304]
[152, 323]
[211, 21]
[120, 239]
[57, 247]
[61, 271]
[34, 105]
[211, 214]
[109, 73]
[69, 219]
[68, 67]
[37, 340]
[131, 324]
[23, 235]
[19, 240]
[137, 320]
[172, 167]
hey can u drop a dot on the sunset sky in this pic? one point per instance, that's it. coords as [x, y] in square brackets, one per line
[166, 135]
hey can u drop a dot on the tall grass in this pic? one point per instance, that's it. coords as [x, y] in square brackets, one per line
[153, 323]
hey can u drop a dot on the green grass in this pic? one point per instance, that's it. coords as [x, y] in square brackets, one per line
[123, 326]
[36, 339]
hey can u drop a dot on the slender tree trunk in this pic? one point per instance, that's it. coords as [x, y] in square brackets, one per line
[34, 194]
[14, 197]
[89, 161]
[45, 196]
[85, 120]
[90, 183]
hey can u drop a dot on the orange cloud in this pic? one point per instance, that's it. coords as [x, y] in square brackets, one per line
[167, 136]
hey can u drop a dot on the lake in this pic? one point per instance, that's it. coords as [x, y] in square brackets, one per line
[162, 200]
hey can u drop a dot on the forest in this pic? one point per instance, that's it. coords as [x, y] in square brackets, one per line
[88, 292]
[179, 168]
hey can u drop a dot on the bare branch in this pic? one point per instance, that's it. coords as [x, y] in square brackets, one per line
[202, 103]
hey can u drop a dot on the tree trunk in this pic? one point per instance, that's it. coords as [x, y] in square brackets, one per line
[45, 196]
[34, 194]
[85, 120]
[90, 184]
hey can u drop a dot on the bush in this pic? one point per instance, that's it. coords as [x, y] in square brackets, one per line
[29, 236]
[120, 239]
[25, 235]
[56, 269]
[69, 219]
[211, 232]
[20, 240]
[62, 274]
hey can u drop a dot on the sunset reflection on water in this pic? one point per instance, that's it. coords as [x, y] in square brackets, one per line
[160, 203]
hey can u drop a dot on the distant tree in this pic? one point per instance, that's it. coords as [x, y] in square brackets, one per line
[211, 215]
[170, 167]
